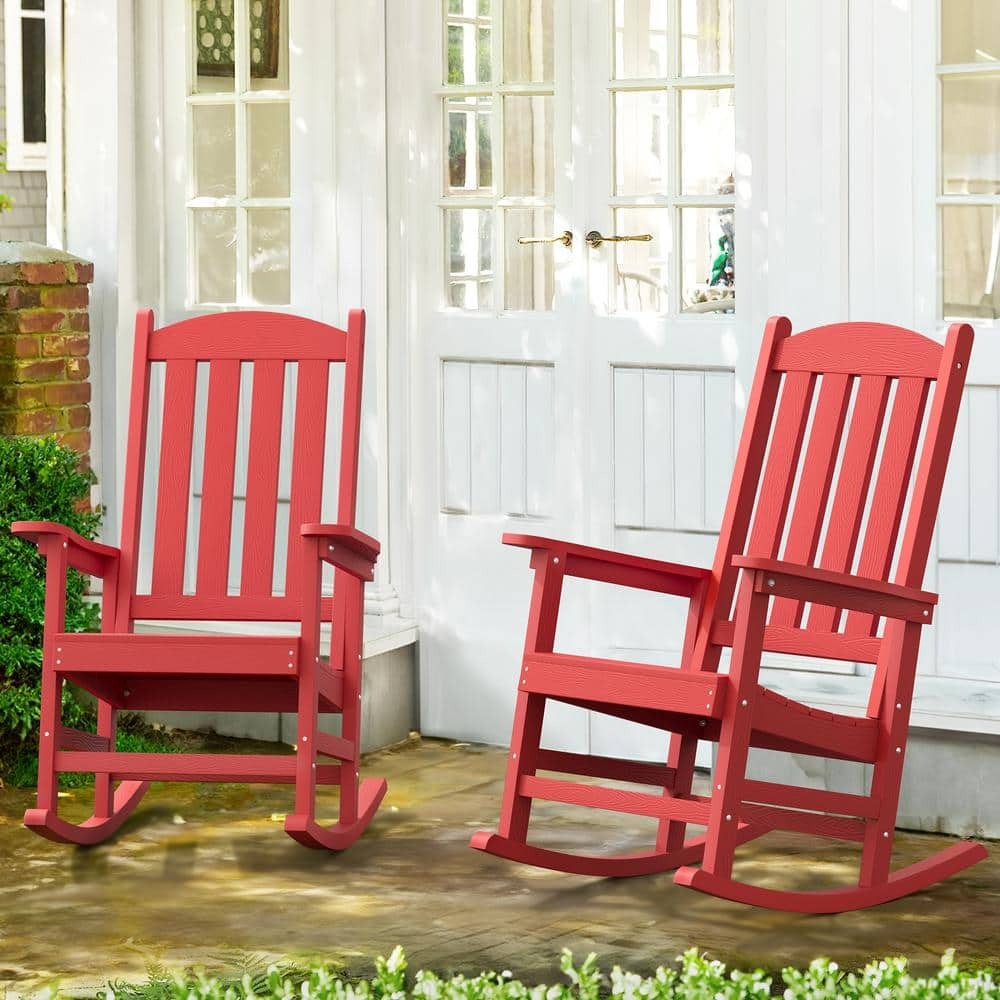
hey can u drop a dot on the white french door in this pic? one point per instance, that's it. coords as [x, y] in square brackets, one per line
[586, 391]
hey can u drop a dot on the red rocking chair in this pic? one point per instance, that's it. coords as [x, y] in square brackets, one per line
[241, 673]
[818, 396]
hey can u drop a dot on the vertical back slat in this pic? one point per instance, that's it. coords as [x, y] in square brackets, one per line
[929, 478]
[257, 572]
[742, 492]
[814, 486]
[307, 462]
[135, 465]
[175, 477]
[889, 496]
[852, 488]
[217, 489]
[782, 463]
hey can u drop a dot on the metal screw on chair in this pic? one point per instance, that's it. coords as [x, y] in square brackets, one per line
[701, 722]
[770, 583]
[305, 739]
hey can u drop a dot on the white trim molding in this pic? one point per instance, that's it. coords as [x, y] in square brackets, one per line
[23, 154]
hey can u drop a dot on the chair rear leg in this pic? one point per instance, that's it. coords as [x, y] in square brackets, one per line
[515, 810]
[900, 647]
[670, 832]
[104, 787]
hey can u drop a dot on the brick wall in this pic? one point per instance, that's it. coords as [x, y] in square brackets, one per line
[25, 220]
[44, 343]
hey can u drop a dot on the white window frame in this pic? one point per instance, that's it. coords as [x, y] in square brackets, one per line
[239, 98]
[23, 155]
[497, 202]
[950, 71]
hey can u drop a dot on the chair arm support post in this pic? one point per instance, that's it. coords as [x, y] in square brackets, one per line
[842, 590]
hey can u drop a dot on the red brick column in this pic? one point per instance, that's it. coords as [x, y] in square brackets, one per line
[44, 343]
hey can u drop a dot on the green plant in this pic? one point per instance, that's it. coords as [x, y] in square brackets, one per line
[5, 201]
[39, 481]
[696, 978]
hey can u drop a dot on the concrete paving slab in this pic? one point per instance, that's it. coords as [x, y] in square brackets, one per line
[204, 875]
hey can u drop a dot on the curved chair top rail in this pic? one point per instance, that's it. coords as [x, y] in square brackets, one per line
[861, 348]
[252, 335]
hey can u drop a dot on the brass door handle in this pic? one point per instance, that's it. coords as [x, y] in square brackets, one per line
[565, 238]
[595, 239]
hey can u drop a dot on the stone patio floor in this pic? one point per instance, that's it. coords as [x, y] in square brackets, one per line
[204, 875]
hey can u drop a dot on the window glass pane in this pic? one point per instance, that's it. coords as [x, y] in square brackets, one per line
[641, 39]
[470, 58]
[267, 125]
[970, 134]
[470, 145]
[970, 251]
[641, 121]
[708, 141]
[214, 139]
[33, 78]
[469, 233]
[213, 42]
[970, 31]
[706, 37]
[642, 268]
[269, 250]
[528, 154]
[215, 254]
[529, 276]
[268, 44]
[708, 279]
[527, 41]
[32, 4]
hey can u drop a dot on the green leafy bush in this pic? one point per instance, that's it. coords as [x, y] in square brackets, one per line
[695, 978]
[39, 481]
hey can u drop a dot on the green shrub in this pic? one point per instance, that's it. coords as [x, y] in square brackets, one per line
[696, 978]
[39, 481]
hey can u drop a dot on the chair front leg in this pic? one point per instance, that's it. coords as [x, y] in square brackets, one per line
[308, 695]
[353, 632]
[50, 721]
[734, 735]
[529, 712]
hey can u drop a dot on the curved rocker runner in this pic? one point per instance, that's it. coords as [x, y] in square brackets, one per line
[236, 673]
[810, 458]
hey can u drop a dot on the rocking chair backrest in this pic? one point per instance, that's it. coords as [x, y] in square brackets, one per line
[838, 420]
[268, 342]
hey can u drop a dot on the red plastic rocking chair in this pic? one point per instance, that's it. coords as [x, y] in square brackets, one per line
[220, 673]
[830, 380]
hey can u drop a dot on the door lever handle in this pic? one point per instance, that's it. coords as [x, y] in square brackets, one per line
[565, 238]
[595, 239]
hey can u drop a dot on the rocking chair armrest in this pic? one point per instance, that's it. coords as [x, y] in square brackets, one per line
[841, 590]
[620, 568]
[345, 547]
[93, 558]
